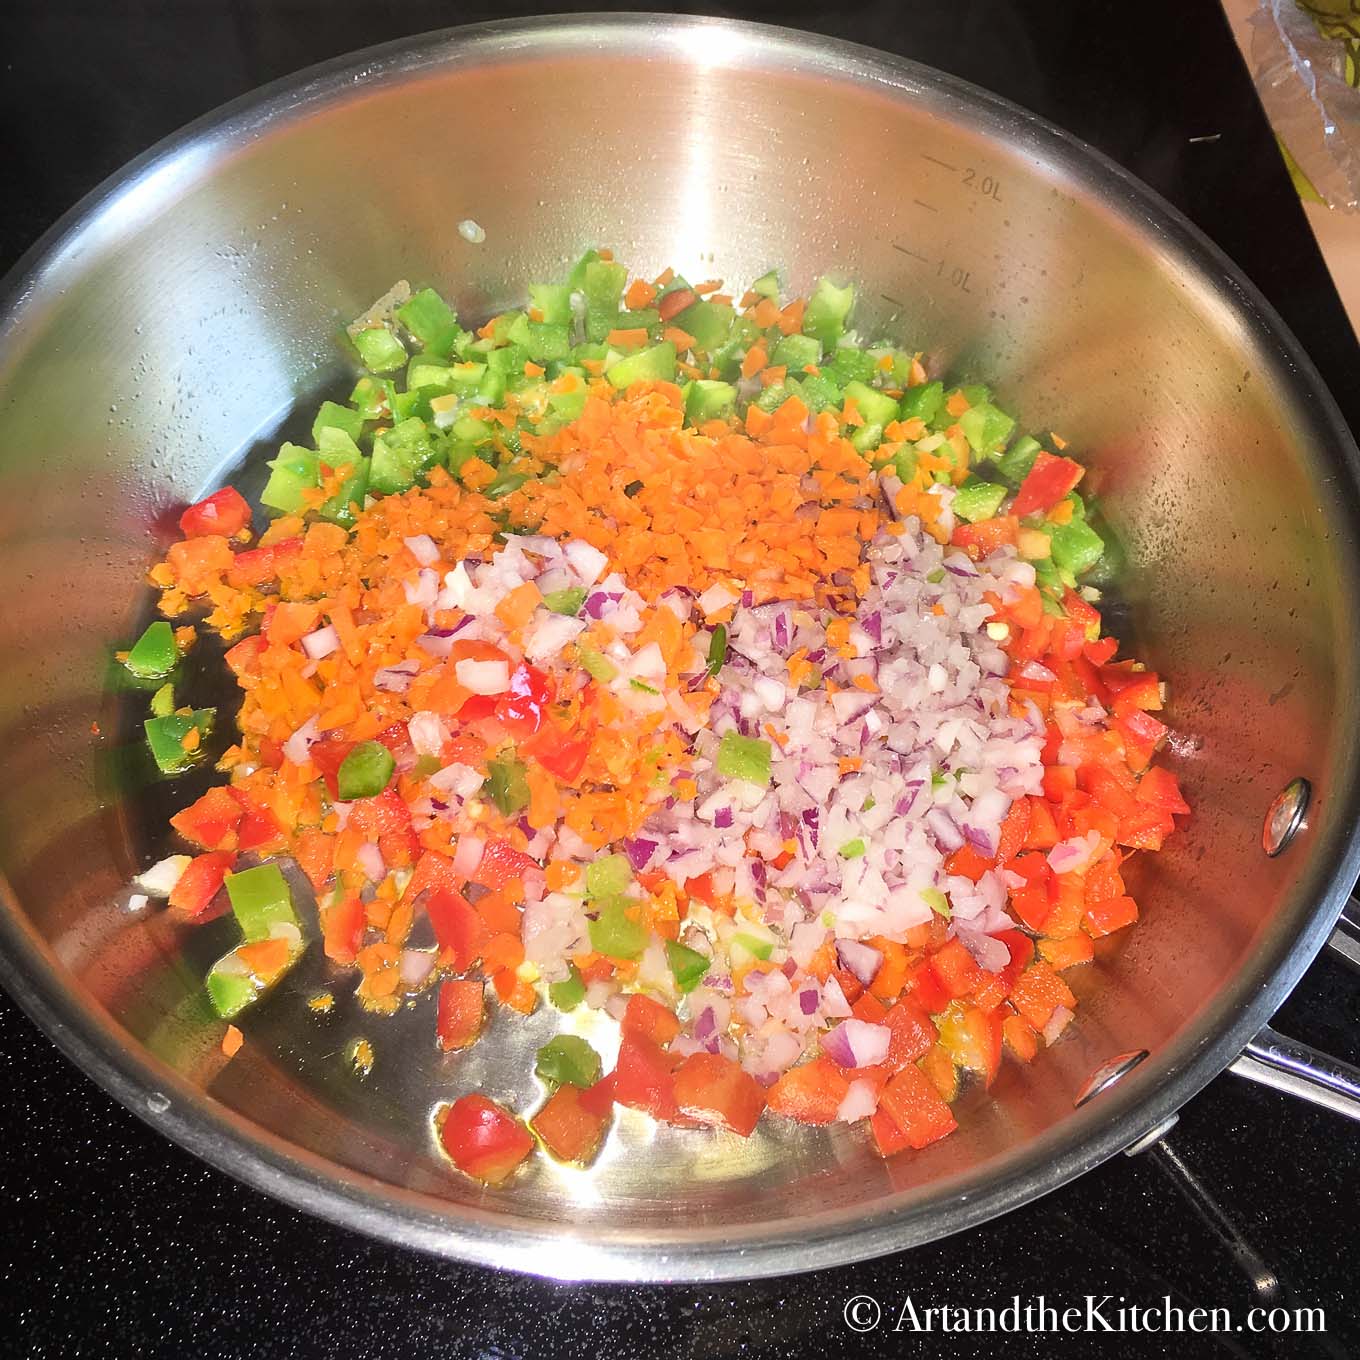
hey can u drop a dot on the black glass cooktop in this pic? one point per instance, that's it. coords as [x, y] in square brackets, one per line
[114, 1242]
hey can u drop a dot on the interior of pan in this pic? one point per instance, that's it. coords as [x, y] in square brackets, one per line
[168, 333]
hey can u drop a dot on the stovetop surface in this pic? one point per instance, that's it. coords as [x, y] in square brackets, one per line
[116, 1242]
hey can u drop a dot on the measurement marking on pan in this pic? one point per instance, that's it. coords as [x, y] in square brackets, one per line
[986, 185]
[935, 160]
[915, 255]
[921, 203]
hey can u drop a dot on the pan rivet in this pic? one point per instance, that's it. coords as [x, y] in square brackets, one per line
[1285, 816]
[1107, 1074]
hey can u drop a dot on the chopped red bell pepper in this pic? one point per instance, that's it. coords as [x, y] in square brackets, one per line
[1049, 480]
[913, 1033]
[459, 1013]
[810, 1093]
[1013, 831]
[570, 1125]
[342, 929]
[1113, 913]
[644, 1076]
[649, 1018]
[1022, 954]
[328, 755]
[244, 657]
[987, 535]
[1038, 992]
[715, 1090]
[675, 302]
[225, 512]
[1159, 788]
[912, 1103]
[210, 822]
[501, 863]
[257, 566]
[924, 987]
[484, 1140]
[956, 968]
[258, 828]
[199, 882]
[561, 755]
[968, 863]
[457, 927]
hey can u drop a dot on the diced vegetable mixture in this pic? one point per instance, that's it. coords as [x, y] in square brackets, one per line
[676, 655]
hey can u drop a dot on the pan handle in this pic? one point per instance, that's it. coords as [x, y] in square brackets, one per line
[1344, 941]
[1301, 1070]
[1298, 1069]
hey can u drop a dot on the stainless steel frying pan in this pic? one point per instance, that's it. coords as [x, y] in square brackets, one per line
[174, 318]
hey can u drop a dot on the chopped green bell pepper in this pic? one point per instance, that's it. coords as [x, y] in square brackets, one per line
[596, 664]
[1016, 462]
[654, 364]
[165, 737]
[569, 993]
[708, 399]
[615, 933]
[603, 288]
[717, 650]
[744, 758]
[710, 323]
[163, 702]
[379, 350]
[688, 965]
[431, 320]
[922, 402]
[154, 654]
[853, 849]
[767, 285]
[260, 900]
[507, 785]
[986, 429]
[294, 471]
[1076, 546]
[553, 300]
[827, 311]
[796, 352]
[567, 1060]
[877, 408]
[851, 365]
[756, 945]
[866, 438]
[365, 772]
[568, 601]
[608, 876]
[333, 416]
[977, 499]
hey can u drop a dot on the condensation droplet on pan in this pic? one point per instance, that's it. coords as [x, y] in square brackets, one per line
[470, 231]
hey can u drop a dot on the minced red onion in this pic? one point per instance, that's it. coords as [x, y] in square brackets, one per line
[396, 679]
[416, 965]
[321, 643]
[428, 733]
[369, 859]
[467, 855]
[1057, 1022]
[862, 960]
[423, 549]
[857, 1043]
[296, 747]
[483, 677]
